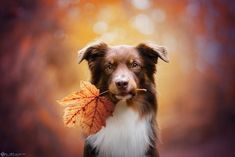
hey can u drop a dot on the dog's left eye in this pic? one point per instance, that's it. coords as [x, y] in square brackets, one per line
[134, 64]
[109, 66]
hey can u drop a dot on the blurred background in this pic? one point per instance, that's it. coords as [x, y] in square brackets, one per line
[38, 65]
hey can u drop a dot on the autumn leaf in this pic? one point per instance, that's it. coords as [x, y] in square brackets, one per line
[87, 109]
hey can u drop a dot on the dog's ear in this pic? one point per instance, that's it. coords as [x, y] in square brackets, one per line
[92, 51]
[153, 51]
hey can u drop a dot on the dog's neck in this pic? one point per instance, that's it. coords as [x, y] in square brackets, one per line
[126, 134]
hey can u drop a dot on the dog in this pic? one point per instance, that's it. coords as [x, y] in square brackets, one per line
[127, 72]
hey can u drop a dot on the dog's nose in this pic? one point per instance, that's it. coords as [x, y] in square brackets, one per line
[122, 84]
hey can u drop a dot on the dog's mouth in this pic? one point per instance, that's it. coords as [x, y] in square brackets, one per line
[124, 95]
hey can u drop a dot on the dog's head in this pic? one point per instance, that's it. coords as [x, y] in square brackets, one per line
[122, 69]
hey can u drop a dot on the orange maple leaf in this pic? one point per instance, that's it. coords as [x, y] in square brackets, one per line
[87, 109]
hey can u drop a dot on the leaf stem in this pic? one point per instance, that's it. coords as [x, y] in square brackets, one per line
[141, 90]
[104, 92]
[138, 90]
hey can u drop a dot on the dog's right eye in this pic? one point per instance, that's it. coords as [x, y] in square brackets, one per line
[109, 67]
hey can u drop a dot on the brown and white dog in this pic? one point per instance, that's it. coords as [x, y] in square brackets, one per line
[123, 69]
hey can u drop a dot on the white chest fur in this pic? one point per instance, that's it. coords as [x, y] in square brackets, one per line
[125, 134]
